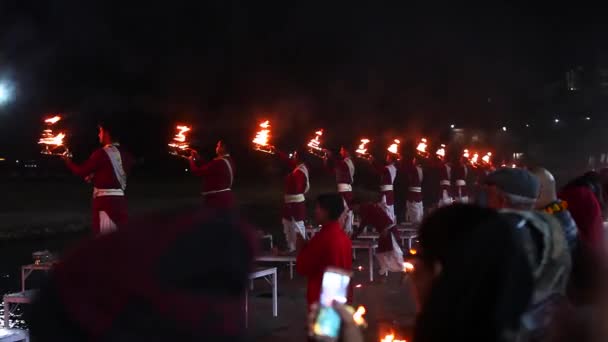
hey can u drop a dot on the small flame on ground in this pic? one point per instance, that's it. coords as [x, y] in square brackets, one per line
[390, 338]
[413, 251]
[358, 315]
[408, 267]
[394, 147]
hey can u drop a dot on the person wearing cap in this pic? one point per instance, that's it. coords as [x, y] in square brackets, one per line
[510, 188]
[107, 168]
[550, 203]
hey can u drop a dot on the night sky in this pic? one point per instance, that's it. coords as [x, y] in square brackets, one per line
[378, 68]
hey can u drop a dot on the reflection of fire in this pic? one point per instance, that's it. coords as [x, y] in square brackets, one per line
[53, 143]
[390, 338]
[408, 266]
[421, 148]
[262, 138]
[362, 149]
[314, 146]
[394, 147]
[441, 151]
[358, 315]
[180, 144]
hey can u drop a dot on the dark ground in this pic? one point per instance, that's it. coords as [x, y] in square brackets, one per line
[54, 214]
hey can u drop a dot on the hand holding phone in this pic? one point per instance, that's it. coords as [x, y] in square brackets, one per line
[328, 320]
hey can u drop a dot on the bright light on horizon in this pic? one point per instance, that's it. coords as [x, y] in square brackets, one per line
[6, 92]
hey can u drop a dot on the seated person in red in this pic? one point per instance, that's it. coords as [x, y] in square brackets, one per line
[330, 247]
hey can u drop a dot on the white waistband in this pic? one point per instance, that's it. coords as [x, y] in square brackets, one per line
[444, 182]
[107, 192]
[344, 187]
[460, 182]
[414, 189]
[214, 191]
[386, 188]
[298, 198]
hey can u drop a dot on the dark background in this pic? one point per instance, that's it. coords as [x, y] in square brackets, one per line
[380, 69]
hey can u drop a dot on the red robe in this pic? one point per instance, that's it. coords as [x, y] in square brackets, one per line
[296, 183]
[413, 176]
[218, 178]
[373, 215]
[330, 247]
[387, 174]
[344, 177]
[459, 175]
[445, 182]
[98, 168]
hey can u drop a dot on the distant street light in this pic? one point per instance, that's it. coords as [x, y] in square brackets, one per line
[527, 125]
[504, 128]
[587, 118]
[556, 120]
[452, 126]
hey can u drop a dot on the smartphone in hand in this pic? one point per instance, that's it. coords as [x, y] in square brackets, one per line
[334, 288]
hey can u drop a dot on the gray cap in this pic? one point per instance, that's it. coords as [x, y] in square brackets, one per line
[515, 181]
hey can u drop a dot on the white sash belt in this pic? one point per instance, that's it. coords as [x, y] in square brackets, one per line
[344, 187]
[214, 191]
[444, 182]
[460, 182]
[415, 189]
[107, 192]
[298, 198]
[386, 188]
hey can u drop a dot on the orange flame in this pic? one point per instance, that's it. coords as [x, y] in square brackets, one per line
[408, 266]
[413, 251]
[422, 145]
[362, 149]
[390, 338]
[465, 153]
[475, 158]
[53, 120]
[314, 146]
[487, 158]
[394, 147]
[262, 138]
[441, 151]
[180, 140]
[49, 139]
[358, 315]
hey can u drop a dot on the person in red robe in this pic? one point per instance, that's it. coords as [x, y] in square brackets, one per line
[344, 169]
[445, 182]
[330, 247]
[297, 184]
[107, 168]
[387, 172]
[389, 254]
[218, 177]
[460, 189]
[414, 207]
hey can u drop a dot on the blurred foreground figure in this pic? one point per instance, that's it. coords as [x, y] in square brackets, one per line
[107, 168]
[550, 203]
[178, 277]
[330, 247]
[472, 277]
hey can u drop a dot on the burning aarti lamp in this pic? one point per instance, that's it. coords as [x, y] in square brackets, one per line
[180, 146]
[362, 151]
[53, 144]
[261, 142]
[314, 145]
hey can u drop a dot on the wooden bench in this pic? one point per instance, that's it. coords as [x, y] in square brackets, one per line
[13, 300]
[289, 259]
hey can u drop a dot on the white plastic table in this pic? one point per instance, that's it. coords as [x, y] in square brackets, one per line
[289, 259]
[264, 273]
[27, 270]
[14, 300]
[371, 248]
